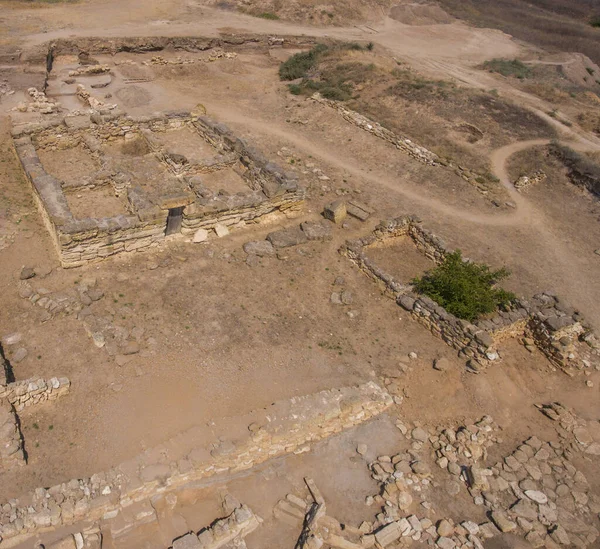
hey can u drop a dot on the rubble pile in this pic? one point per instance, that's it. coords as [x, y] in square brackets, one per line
[39, 103]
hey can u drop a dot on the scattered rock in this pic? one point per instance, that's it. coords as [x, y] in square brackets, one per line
[285, 238]
[221, 230]
[131, 348]
[537, 496]
[442, 364]
[12, 339]
[316, 230]
[503, 523]
[201, 235]
[359, 210]
[261, 248]
[445, 528]
[19, 355]
[27, 273]
[361, 449]
[420, 434]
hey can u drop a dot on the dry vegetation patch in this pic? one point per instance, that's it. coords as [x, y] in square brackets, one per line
[455, 122]
[557, 25]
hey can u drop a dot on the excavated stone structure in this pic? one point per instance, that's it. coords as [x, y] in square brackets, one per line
[544, 321]
[160, 191]
[122, 495]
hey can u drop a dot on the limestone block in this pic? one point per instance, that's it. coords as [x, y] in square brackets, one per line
[336, 211]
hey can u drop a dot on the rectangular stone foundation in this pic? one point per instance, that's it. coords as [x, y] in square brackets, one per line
[555, 327]
[148, 201]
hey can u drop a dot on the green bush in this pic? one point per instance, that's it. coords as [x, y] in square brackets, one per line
[507, 67]
[466, 290]
[298, 65]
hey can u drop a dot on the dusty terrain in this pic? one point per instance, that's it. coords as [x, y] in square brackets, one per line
[216, 335]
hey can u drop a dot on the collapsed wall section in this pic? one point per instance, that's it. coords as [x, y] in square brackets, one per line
[196, 455]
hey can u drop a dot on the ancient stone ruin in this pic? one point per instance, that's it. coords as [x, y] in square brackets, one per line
[14, 396]
[122, 494]
[545, 321]
[155, 176]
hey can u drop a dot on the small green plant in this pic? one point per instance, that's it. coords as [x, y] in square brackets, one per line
[507, 67]
[268, 15]
[466, 290]
[595, 21]
[35, 426]
[370, 46]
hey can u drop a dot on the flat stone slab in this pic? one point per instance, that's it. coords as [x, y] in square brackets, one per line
[287, 237]
[261, 248]
[316, 231]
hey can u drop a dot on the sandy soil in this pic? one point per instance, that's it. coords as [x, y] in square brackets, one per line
[219, 338]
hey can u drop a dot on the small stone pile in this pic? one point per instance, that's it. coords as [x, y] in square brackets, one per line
[277, 241]
[465, 445]
[55, 303]
[575, 429]
[89, 70]
[39, 103]
[88, 99]
[527, 180]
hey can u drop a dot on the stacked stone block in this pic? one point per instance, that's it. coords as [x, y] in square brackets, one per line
[22, 394]
[222, 532]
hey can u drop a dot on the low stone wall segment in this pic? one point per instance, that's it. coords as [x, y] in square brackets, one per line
[11, 440]
[221, 532]
[198, 454]
[22, 394]
[553, 326]
[407, 146]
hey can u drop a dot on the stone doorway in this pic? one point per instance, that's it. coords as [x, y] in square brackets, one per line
[174, 221]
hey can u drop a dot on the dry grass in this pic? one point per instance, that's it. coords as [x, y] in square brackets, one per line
[559, 25]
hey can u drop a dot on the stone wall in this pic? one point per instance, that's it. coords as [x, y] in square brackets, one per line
[236, 526]
[22, 394]
[412, 149]
[81, 240]
[544, 321]
[11, 441]
[196, 455]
